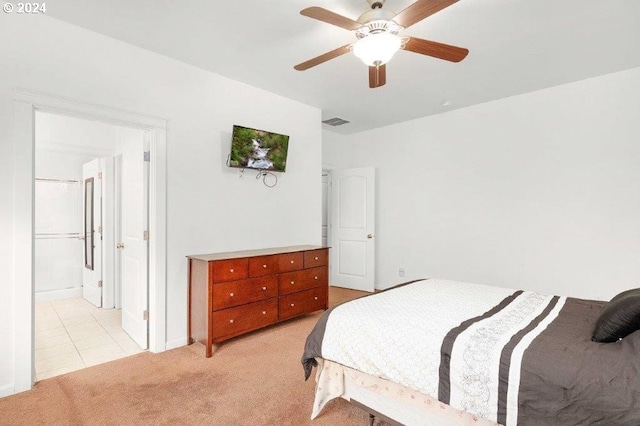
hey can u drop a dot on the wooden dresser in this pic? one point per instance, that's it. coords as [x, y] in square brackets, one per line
[237, 292]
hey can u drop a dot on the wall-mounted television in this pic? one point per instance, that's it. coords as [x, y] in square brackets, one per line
[258, 149]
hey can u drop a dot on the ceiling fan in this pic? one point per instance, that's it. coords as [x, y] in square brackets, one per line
[378, 40]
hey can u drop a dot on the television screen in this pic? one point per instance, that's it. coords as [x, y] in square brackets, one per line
[258, 149]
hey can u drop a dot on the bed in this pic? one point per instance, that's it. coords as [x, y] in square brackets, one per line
[446, 352]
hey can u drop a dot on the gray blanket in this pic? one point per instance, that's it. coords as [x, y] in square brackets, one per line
[566, 379]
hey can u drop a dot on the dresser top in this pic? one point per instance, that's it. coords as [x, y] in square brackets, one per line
[251, 253]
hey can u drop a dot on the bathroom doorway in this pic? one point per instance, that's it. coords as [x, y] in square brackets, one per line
[77, 324]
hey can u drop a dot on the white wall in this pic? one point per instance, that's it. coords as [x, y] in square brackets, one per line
[538, 191]
[209, 208]
[73, 135]
[334, 150]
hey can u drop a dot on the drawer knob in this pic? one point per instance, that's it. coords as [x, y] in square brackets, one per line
[264, 312]
[315, 278]
[292, 282]
[293, 304]
[264, 288]
[264, 266]
[315, 258]
[231, 270]
[292, 262]
[231, 294]
[231, 321]
[316, 298]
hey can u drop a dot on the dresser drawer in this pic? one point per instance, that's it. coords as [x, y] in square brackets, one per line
[317, 277]
[263, 265]
[291, 282]
[318, 299]
[292, 305]
[315, 258]
[230, 270]
[234, 293]
[244, 318]
[290, 261]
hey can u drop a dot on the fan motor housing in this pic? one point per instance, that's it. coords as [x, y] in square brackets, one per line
[376, 15]
[376, 3]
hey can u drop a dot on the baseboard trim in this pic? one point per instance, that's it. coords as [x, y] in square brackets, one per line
[65, 293]
[7, 390]
[176, 343]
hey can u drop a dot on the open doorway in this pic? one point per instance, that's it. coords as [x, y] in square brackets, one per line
[80, 219]
[25, 105]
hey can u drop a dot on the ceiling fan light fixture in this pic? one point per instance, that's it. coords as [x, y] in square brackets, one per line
[377, 48]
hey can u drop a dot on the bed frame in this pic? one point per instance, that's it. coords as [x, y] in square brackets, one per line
[391, 402]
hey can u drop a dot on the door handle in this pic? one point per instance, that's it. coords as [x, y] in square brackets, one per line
[120, 245]
[370, 236]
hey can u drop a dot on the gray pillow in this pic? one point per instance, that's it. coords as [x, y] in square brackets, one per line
[618, 318]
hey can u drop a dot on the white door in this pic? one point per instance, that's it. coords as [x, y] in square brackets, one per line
[133, 246]
[352, 228]
[91, 232]
[108, 232]
[117, 228]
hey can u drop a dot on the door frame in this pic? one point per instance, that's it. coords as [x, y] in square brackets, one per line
[25, 104]
[327, 210]
[328, 169]
[327, 207]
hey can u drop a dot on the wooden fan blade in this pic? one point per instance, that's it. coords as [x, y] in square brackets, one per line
[435, 49]
[420, 10]
[377, 76]
[323, 58]
[330, 17]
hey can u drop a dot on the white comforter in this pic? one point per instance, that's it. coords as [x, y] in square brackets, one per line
[398, 335]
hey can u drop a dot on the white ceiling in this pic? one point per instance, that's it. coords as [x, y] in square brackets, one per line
[516, 46]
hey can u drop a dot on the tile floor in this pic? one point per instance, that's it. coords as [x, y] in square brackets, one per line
[72, 334]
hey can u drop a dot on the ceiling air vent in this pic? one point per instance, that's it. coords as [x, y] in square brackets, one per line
[335, 121]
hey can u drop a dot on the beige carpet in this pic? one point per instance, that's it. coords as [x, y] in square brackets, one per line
[256, 379]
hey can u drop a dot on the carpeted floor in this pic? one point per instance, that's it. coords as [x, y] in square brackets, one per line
[256, 379]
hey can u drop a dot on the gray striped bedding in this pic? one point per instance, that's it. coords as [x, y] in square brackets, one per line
[510, 356]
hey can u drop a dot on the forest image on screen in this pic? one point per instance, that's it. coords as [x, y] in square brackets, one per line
[258, 149]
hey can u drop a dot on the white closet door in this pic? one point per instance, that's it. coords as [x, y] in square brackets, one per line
[352, 228]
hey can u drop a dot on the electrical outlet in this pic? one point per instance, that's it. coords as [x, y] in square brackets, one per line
[240, 173]
[401, 272]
